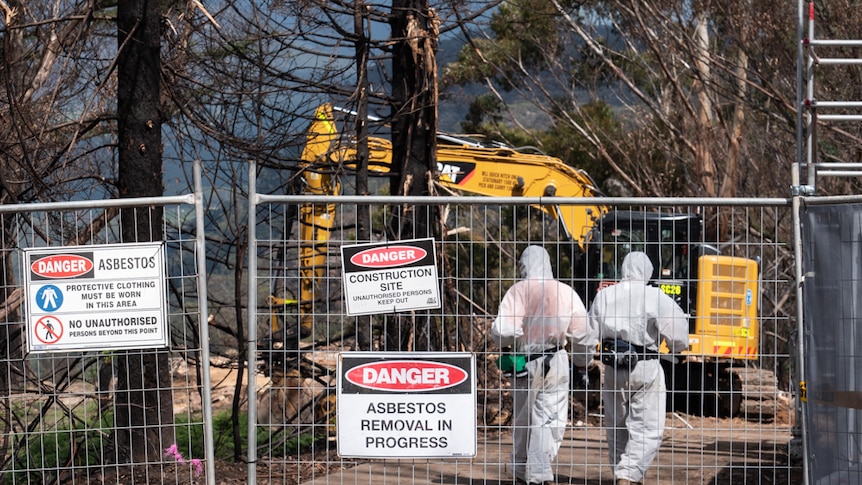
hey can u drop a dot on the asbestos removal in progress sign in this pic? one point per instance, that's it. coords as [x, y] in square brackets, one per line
[390, 277]
[406, 405]
[95, 297]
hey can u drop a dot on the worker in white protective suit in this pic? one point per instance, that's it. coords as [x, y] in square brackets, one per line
[633, 318]
[537, 317]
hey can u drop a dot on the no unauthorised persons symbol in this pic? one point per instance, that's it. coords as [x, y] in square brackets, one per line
[48, 330]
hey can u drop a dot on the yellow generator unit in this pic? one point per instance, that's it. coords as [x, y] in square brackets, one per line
[725, 335]
[726, 324]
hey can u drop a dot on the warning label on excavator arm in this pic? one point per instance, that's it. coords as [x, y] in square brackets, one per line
[390, 277]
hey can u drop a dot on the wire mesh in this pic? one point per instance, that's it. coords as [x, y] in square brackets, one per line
[738, 429]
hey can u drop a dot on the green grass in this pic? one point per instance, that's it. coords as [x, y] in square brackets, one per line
[59, 444]
[190, 437]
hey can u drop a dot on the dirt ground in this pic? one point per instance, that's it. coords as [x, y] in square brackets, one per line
[683, 431]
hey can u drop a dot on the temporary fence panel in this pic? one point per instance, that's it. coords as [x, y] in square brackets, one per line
[80, 407]
[732, 411]
[833, 274]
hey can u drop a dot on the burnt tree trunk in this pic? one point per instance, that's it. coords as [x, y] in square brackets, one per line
[143, 397]
[414, 34]
[363, 211]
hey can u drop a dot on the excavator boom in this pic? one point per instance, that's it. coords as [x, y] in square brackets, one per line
[469, 167]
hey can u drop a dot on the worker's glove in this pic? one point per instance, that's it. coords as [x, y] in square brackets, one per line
[580, 378]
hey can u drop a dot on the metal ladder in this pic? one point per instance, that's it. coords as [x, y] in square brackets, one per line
[811, 110]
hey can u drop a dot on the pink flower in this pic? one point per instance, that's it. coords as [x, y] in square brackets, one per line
[174, 452]
[198, 466]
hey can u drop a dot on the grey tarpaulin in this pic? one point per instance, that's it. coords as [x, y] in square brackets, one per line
[832, 297]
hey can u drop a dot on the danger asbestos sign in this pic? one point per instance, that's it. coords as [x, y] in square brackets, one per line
[95, 297]
[406, 405]
[390, 277]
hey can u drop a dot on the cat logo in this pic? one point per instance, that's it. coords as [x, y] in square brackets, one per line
[456, 173]
[449, 171]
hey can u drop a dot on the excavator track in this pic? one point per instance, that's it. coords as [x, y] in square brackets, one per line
[761, 399]
[722, 389]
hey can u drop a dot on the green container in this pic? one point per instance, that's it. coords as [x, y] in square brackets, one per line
[513, 363]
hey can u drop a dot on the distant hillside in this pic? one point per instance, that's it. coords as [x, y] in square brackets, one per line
[455, 101]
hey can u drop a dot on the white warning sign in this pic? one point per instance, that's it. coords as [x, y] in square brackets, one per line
[406, 405]
[96, 297]
[390, 277]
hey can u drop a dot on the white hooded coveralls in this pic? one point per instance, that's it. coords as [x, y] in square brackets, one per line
[538, 315]
[635, 399]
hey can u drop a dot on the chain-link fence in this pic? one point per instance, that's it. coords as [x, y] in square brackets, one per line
[731, 410]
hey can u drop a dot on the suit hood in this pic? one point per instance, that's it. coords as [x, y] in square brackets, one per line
[637, 267]
[536, 264]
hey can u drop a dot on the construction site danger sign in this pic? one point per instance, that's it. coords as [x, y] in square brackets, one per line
[406, 405]
[95, 297]
[390, 277]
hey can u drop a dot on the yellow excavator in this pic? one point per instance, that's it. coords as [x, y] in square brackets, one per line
[719, 292]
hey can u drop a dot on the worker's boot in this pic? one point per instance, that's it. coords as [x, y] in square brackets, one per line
[518, 481]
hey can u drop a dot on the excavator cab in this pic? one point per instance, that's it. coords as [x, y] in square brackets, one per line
[668, 239]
